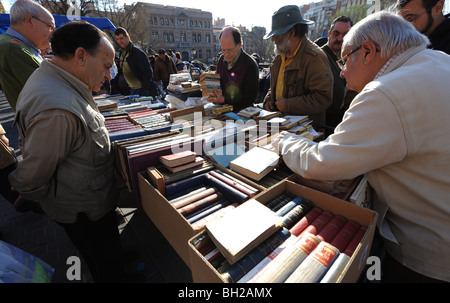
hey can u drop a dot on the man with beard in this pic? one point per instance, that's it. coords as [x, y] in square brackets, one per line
[301, 81]
[341, 95]
[427, 18]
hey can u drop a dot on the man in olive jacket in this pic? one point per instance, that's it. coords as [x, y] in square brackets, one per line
[301, 81]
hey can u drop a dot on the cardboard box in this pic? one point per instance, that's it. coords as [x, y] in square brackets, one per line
[204, 272]
[175, 228]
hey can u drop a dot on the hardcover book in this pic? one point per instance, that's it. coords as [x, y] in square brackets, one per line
[249, 112]
[198, 161]
[316, 264]
[244, 228]
[256, 163]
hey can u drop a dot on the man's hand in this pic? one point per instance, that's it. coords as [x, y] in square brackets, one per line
[281, 104]
[4, 139]
[219, 98]
[277, 140]
[269, 105]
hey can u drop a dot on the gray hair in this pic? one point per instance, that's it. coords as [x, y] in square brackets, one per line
[22, 7]
[389, 31]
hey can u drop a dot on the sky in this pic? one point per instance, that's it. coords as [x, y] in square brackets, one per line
[236, 12]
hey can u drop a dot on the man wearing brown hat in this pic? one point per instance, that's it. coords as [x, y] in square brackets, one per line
[301, 81]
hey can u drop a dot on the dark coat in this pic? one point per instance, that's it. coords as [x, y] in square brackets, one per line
[141, 68]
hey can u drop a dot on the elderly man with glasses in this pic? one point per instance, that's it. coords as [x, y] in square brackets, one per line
[301, 82]
[31, 29]
[427, 17]
[396, 132]
[239, 74]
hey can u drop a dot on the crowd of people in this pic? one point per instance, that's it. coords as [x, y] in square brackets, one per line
[379, 85]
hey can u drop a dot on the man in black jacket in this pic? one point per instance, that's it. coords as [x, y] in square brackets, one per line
[427, 17]
[135, 66]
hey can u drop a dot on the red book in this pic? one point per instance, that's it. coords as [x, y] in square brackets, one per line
[199, 204]
[195, 197]
[316, 226]
[355, 241]
[345, 235]
[332, 228]
[304, 222]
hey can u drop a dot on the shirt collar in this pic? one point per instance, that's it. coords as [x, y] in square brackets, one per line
[230, 65]
[19, 36]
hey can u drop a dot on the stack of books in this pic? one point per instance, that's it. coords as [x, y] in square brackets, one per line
[311, 245]
[185, 87]
[210, 83]
[106, 104]
[181, 161]
[120, 124]
[256, 163]
[207, 196]
[249, 112]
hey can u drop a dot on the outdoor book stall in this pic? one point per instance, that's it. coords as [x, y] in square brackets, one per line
[204, 174]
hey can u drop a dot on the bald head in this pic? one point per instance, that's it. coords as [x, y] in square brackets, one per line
[230, 43]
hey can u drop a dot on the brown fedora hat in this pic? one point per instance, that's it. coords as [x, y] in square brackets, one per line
[284, 19]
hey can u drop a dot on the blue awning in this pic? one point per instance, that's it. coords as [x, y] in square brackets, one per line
[101, 23]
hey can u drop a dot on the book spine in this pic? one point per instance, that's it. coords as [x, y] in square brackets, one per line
[185, 194]
[195, 197]
[233, 184]
[345, 235]
[199, 204]
[314, 267]
[227, 191]
[256, 255]
[217, 214]
[296, 214]
[319, 223]
[254, 273]
[176, 187]
[279, 201]
[351, 247]
[330, 230]
[304, 222]
[251, 188]
[287, 261]
[336, 269]
[288, 206]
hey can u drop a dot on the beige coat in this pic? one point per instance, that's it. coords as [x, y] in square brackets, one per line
[67, 161]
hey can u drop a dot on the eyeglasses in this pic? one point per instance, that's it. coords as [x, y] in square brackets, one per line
[341, 62]
[51, 27]
[411, 18]
[229, 50]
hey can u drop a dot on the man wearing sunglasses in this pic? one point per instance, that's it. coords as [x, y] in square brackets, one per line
[396, 132]
[427, 17]
[31, 29]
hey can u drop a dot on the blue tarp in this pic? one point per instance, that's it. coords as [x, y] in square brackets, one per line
[101, 23]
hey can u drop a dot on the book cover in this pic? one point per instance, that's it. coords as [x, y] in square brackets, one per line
[195, 197]
[249, 112]
[199, 204]
[241, 230]
[278, 121]
[237, 185]
[177, 159]
[198, 161]
[256, 163]
[156, 179]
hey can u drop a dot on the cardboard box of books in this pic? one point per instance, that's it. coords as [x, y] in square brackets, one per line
[186, 204]
[317, 238]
